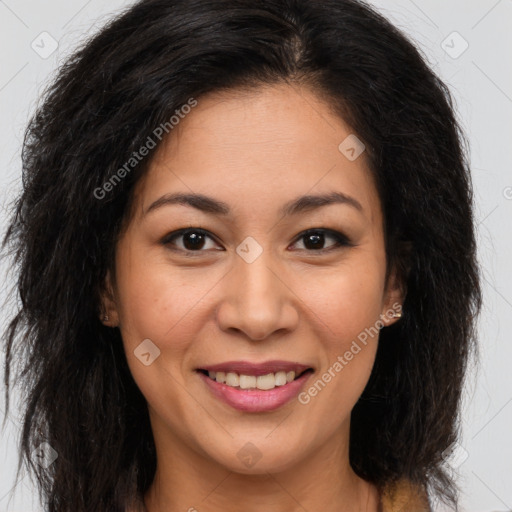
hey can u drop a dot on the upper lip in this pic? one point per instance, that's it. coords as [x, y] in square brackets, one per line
[256, 369]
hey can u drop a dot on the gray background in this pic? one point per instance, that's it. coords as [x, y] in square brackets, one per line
[481, 80]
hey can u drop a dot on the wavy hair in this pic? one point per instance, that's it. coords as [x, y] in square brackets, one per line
[107, 99]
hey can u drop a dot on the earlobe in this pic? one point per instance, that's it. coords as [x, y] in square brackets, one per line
[391, 314]
[108, 311]
[396, 289]
[393, 304]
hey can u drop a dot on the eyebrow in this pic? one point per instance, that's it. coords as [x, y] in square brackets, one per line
[295, 206]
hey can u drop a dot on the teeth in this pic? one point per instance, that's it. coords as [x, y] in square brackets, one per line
[281, 378]
[233, 379]
[263, 382]
[247, 381]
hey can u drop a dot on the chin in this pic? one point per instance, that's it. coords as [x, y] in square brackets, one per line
[256, 458]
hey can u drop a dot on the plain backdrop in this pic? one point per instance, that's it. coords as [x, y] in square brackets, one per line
[469, 44]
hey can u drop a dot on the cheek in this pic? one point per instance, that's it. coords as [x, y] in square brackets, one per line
[159, 302]
[345, 307]
[347, 300]
[168, 307]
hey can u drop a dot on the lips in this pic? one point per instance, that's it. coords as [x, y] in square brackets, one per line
[255, 387]
[256, 369]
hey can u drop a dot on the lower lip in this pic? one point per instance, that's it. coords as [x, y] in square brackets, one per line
[256, 400]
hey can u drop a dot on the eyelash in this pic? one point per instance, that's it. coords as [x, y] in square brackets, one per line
[340, 239]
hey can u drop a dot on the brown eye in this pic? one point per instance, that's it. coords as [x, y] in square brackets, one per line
[191, 239]
[315, 240]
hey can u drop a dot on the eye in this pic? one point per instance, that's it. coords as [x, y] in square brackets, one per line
[315, 239]
[198, 240]
[191, 240]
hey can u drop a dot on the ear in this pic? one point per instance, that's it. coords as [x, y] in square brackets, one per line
[396, 290]
[109, 315]
[394, 297]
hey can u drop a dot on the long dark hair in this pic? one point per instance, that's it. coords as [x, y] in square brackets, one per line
[107, 99]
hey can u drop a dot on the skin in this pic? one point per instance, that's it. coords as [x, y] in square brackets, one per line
[255, 151]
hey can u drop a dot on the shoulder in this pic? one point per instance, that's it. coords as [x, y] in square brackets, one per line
[404, 495]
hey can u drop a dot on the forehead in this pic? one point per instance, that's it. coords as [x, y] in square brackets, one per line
[257, 149]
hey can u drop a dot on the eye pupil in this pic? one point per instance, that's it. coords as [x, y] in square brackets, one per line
[314, 241]
[193, 240]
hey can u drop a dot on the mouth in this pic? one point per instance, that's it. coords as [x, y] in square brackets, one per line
[246, 381]
[251, 387]
[263, 376]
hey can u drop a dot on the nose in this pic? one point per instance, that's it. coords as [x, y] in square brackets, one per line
[257, 300]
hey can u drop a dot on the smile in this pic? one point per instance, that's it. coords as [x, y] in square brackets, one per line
[262, 382]
[252, 387]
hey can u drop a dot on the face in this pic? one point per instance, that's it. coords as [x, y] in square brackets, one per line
[238, 275]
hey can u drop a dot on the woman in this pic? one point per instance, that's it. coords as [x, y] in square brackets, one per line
[246, 260]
